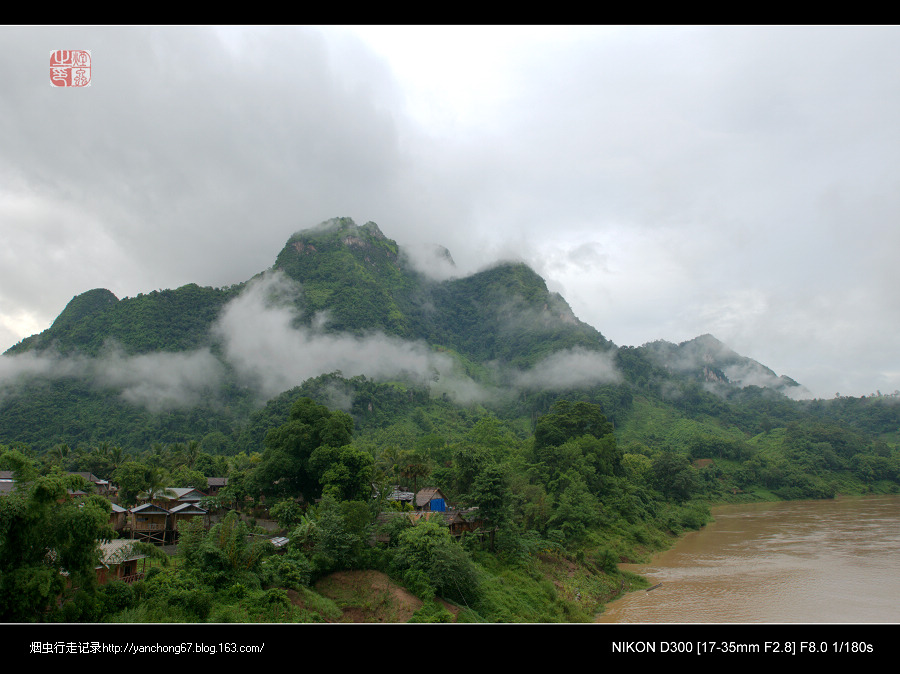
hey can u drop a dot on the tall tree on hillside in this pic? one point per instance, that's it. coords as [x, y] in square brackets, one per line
[413, 466]
[576, 437]
[286, 468]
[189, 453]
[157, 484]
[60, 454]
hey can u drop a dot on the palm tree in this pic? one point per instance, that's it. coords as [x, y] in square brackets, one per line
[116, 454]
[61, 452]
[156, 484]
[386, 463]
[413, 466]
[189, 453]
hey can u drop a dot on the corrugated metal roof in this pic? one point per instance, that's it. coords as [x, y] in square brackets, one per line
[188, 508]
[117, 551]
[148, 506]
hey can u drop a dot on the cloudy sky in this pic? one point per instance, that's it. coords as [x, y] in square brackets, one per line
[668, 181]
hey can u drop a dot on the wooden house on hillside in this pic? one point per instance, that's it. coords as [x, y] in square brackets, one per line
[119, 561]
[460, 521]
[186, 513]
[430, 504]
[102, 487]
[149, 522]
[172, 496]
[215, 484]
[431, 499]
[159, 524]
[401, 497]
[7, 482]
[118, 518]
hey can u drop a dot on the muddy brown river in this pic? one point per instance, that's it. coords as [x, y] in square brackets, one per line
[832, 561]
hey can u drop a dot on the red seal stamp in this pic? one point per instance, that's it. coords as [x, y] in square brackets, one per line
[70, 68]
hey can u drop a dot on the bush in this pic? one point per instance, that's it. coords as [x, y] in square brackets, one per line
[196, 602]
[117, 596]
[292, 570]
[607, 560]
[429, 549]
[432, 612]
[417, 582]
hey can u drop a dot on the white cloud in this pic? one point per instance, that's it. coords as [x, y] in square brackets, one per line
[157, 381]
[262, 340]
[573, 368]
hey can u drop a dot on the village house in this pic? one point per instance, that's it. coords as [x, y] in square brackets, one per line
[401, 497]
[149, 522]
[215, 484]
[118, 518]
[119, 561]
[173, 496]
[431, 499]
[430, 503]
[185, 513]
[159, 519]
[102, 487]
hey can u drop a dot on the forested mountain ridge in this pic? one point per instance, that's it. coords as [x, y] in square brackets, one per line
[707, 360]
[168, 350]
[352, 279]
[321, 384]
[161, 320]
[160, 366]
[361, 281]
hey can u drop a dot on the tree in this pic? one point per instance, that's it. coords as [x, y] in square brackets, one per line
[189, 453]
[341, 534]
[223, 555]
[215, 442]
[186, 477]
[44, 535]
[285, 468]
[468, 462]
[576, 436]
[492, 495]
[576, 510]
[674, 476]
[567, 421]
[132, 479]
[61, 453]
[412, 466]
[344, 472]
[24, 468]
[427, 552]
[140, 479]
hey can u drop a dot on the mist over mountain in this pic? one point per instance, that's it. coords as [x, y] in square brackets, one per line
[707, 360]
[339, 298]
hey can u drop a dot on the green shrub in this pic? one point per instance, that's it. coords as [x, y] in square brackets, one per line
[117, 596]
[607, 560]
[432, 612]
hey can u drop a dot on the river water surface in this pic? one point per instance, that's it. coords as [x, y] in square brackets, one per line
[834, 561]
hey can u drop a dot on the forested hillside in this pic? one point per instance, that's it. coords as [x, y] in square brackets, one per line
[341, 376]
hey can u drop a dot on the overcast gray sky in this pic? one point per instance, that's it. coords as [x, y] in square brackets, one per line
[667, 181]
